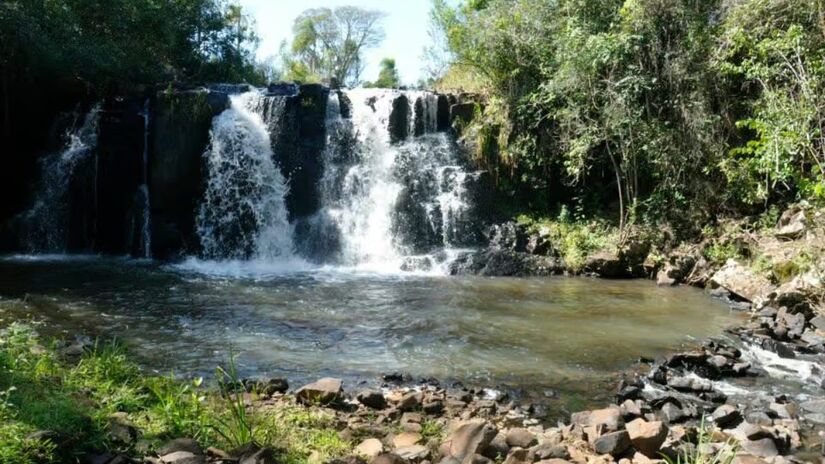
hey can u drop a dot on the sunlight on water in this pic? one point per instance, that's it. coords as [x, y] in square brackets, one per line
[570, 334]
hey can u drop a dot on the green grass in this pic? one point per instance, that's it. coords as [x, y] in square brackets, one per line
[696, 454]
[39, 391]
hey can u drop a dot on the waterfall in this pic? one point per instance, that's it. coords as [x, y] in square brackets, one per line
[47, 222]
[393, 200]
[143, 190]
[243, 214]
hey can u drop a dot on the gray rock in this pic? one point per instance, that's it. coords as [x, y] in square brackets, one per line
[372, 399]
[498, 447]
[672, 413]
[410, 401]
[180, 444]
[726, 416]
[647, 437]
[549, 450]
[609, 419]
[764, 448]
[521, 438]
[814, 406]
[469, 439]
[120, 429]
[182, 457]
[413, 453]
[818, 322]
[613, 443]
[388, 458]
[259, 456]
[323, 391]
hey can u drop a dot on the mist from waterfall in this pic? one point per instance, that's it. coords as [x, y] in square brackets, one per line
[243, 215]
[46, 223]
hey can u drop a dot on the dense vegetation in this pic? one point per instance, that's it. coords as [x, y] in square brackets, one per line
[645, 110]
[118, 45]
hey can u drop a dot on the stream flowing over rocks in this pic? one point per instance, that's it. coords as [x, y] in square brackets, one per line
[234, 181]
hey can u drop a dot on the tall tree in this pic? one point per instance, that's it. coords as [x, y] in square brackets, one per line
[388, 75]
[329, 43]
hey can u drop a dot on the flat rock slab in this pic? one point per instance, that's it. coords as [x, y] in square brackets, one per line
[323, 391]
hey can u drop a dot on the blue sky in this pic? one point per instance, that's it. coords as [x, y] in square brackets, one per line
[406, 27]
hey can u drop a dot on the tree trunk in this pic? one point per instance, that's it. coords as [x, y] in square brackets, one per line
[617, 170]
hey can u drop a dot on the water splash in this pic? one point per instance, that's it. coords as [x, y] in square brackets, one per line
[243, 214]
[389, 205]
[47, 221]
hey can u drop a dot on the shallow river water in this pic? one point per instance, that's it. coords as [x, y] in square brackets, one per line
[567, 335]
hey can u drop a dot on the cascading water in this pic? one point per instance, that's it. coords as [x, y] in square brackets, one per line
[47, 222]
[143, 190]
[243, 214]
[393, 204]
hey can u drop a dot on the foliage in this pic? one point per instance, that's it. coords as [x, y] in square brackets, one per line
[705, 450]
[576, 238]
[387, 76]
[329, 44]
[41, 391]
[647, 106]
[116, 45]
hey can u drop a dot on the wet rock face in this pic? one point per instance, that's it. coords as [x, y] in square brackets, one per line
[296, 120]
[179, 136]
[399, 120]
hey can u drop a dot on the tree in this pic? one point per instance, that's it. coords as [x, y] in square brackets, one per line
[329, 43]
[387, 76]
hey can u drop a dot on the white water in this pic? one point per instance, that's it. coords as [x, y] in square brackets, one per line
[368, 190]
[146, 226]
[365, 174]
[243, 215]
[47, 220]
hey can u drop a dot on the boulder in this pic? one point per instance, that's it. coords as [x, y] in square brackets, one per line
[672, 414]
[792, 224]
[120, 429]
[609, 419]
[549, 450]
[180, 444]
[520, 437]
[405, 439]
[323, 391]
[413, 453]
[764, 448]
[608, 264]
[372, 399]
[469, 439]
[182, 457]
[741, 281]
[647, 437]
[613, 443]
[388, 458]
[369, 448]
[410, 401]
[726, 416]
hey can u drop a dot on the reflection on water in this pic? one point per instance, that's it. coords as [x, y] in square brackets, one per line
[568, 334]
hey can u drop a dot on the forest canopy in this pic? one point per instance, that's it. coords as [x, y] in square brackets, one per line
[644, 105]
[114, 45]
